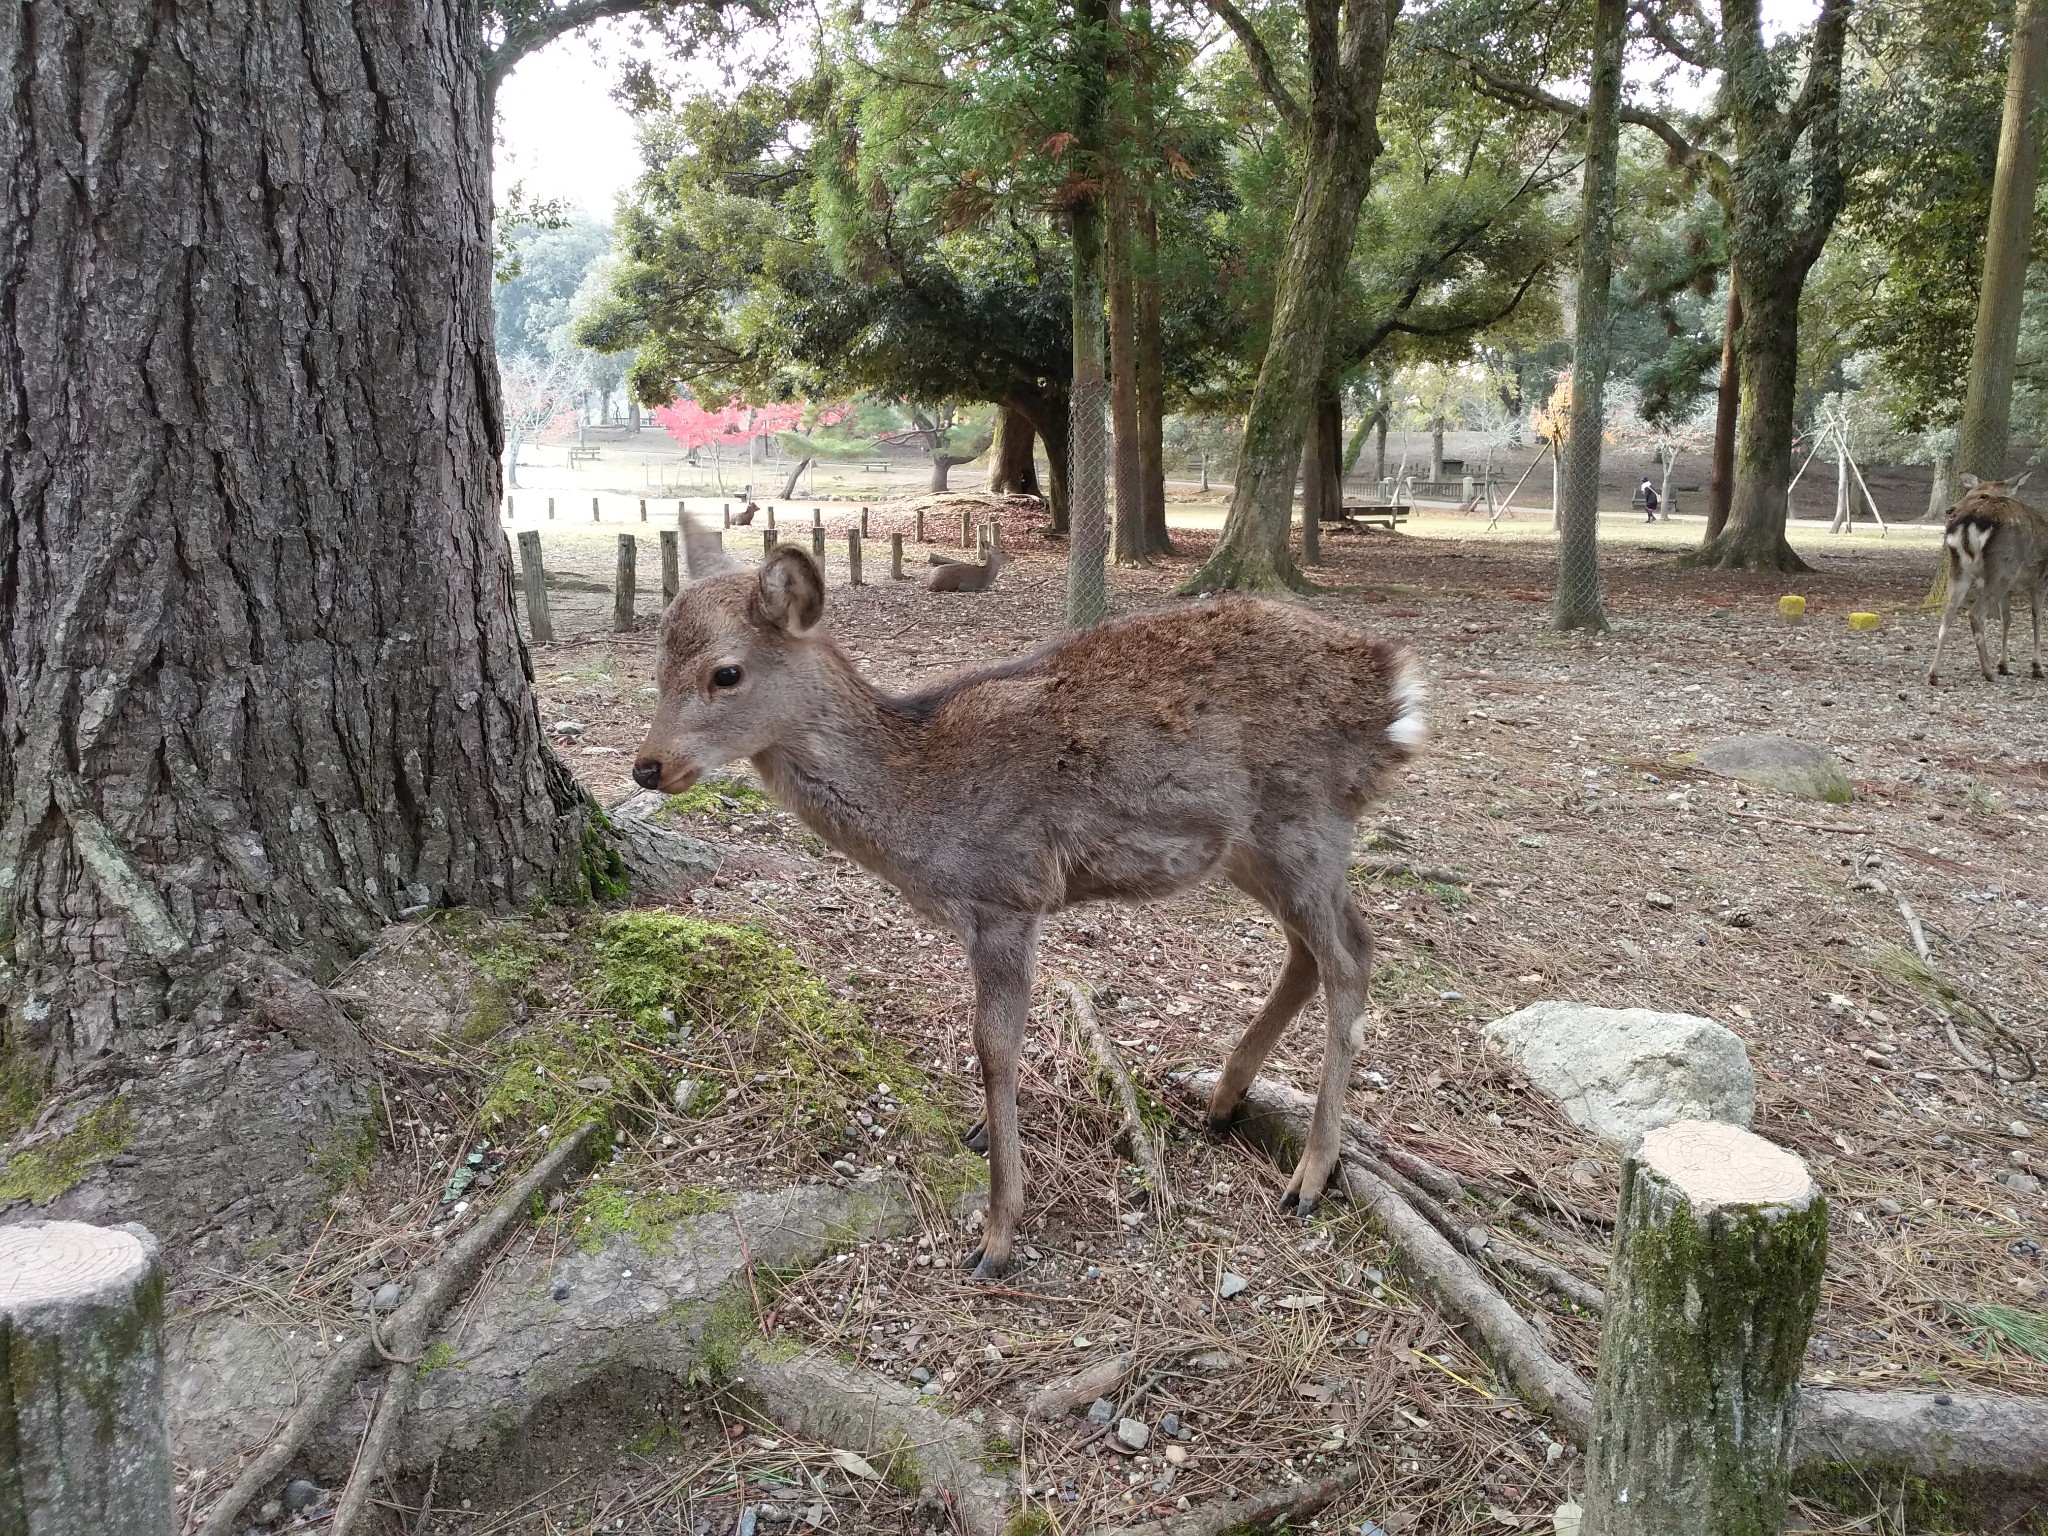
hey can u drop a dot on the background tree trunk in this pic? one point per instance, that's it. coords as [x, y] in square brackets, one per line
[796, 474]
[1312, 458]
[262, 688]
[1088, 531]
[1436, 448]
[1379, 449]
[1754, 538]
[1128, 535]
[1987, 402]
[1013, 471]
[1721, 483]
[1577, 604]
[1151, 385]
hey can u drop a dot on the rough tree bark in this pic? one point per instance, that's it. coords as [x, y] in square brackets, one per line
[1322, 472]
[261, 688]
[1151, 384]
[1786, 188]
[1721, 484]
[1577, 604]
[1987, 401]
[1088, 531]
[1012, 470]
[1436, 448]
[1127, 545]
[1346, 64]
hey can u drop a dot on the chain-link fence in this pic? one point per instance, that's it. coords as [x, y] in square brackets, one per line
[1087, 499]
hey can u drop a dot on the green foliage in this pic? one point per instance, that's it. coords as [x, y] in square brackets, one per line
[43, 1172]
[440, 1356]
[604, 869]
[606, 1206]
[1995, 1327]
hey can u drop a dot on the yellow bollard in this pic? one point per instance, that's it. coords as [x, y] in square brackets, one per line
[1863, 621]
[1792, 607]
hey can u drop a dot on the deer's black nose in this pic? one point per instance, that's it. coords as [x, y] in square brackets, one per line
[647, 773]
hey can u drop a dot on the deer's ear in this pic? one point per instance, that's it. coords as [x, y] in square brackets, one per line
[704, 550]
[2014, 488]
[1971, 482]
[790, 592]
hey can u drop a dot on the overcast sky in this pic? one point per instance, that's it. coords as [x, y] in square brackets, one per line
[562, 135]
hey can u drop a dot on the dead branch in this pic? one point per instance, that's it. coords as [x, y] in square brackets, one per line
[1254, 1513]
[393, 1403]
[436, 1292]
[1080, 1388]
[1145, 1148]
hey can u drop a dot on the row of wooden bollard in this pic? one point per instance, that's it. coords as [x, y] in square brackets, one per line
[625, 581]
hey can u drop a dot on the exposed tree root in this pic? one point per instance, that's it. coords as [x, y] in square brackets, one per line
[1978, 1446]
[411, 1323]
[1145, 1148]
[1728, 551]
[1256, 1513]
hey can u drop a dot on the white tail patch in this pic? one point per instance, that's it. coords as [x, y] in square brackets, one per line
[1410, 726]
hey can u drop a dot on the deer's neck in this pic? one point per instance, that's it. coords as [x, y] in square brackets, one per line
[848, 775]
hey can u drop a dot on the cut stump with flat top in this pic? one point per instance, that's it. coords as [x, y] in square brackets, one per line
[1718, 1250]
[82, 1422]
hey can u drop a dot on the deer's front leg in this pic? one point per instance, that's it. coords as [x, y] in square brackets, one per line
[1001, 951]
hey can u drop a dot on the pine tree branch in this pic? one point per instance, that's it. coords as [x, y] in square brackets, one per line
[1683, 148]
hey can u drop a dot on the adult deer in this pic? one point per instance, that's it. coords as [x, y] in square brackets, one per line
[1122, 763]
[1996, 547]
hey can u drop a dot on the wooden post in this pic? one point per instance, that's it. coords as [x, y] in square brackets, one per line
[728, 515]
[864, 522]
[895, 557]
[767, 541]
[551, 509]
[920, 526]
[995, 534]
[671, 570]
[535, 581]
[81, 1382]
[682, 511]
[622, 585]
[771, 517]
[853, 557]
[643, 509]
[817, 517]
[595, 515]
[818, 542]
[510, 514]
[1718, 1249]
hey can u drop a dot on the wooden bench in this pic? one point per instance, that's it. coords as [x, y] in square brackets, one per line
[582, 455]
[1372, 514]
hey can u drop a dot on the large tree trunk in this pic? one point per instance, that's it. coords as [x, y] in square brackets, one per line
[1051, 417]
[1322, 472]
[796, 474]
[1436, 448]
[1379, 445]
[1012, 469]
[1128, 541]
[1987, 403]
[1151, 385]
[261, 688]
[1252, 553]
[1721, 483]
[1088, 531]
[1754, 538]
[1577, 604]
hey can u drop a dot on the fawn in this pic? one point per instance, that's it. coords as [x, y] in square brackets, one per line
[1996, 546]
[1122, 763]
[966, 576]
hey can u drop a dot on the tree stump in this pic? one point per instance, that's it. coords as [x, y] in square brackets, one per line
[853, 557]
[81, 1382]
[1718, 1250]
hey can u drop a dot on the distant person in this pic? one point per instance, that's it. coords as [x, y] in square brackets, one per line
[1649, 501]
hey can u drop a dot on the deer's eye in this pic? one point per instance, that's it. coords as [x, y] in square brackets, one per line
[726, 677]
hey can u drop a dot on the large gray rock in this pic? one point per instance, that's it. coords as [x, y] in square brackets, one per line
[662, 861]
[1621, 1072]
[1780, 763]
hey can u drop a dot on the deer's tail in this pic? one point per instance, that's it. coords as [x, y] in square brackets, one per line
[1965, 539]
[1410, 726]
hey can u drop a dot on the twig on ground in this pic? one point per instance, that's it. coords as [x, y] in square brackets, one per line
[436, 1292]
[1145, 1148]
[1254, 1513]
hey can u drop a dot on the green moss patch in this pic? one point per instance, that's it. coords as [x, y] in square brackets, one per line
[609, 1206]
[41, 1173]
[725, 799]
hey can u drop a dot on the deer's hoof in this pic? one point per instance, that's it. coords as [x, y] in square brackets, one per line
[986, 1266]
[1219, 1125]
[1290, 1200]
[977, 1139]
[1307, 1208]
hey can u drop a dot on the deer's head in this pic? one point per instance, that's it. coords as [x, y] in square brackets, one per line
[738, 651]
[1973, 486]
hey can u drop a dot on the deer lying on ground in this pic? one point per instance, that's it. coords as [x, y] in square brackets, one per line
[1120, 764]
[966, 576]
[1996, 547]
[745, 519]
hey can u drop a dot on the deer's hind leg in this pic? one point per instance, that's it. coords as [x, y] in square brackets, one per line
[1293, 988]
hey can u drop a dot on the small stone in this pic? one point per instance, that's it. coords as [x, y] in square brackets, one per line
[2021, 1129]
[991, 1354]
[686, 1091]
[595, 1084]
[561, 1292]
[2020, 1183]
[1230, 1285]
[1216, 1361]
[815, 1516]
[1176, 1456]
[843, 1168]
[271, 1512]
[1169, 1425]
[920, 1375]
[1133, 1433]
[1659, 899]
[300, 1495]
[1101, 1411]
[570, 728]
[1888, 1206]
[389, 1295]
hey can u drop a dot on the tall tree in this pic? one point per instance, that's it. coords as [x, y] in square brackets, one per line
[1127, 541]
[1987, 406]
[261, 689]
[1345, 45]
[1081, 199]
[1577, 603]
